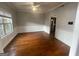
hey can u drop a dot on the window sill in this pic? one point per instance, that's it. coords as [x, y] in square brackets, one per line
[6, 35]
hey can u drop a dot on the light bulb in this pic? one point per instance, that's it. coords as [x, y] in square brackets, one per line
[34, 9]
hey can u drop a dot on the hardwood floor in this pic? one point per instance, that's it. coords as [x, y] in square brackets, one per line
[36, 44]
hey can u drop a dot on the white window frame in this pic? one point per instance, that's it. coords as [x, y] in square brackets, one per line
[5, 34]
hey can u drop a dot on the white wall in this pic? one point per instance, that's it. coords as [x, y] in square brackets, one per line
[74, 51]
[29, 22]
[64, 32]
[8, 38]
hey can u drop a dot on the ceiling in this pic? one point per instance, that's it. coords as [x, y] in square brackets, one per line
[38, 7]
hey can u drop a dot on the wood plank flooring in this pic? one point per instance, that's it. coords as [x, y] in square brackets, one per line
[36, 44]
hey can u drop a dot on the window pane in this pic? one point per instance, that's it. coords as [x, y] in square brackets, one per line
[0, 20]
[8, 28]
[7, 20]
[1, 31]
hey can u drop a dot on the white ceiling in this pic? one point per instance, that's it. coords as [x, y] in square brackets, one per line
[40, 7]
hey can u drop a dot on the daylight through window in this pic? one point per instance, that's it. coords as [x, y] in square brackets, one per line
[6, 26]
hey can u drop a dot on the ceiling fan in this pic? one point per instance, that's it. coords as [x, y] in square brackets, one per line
[35, 4]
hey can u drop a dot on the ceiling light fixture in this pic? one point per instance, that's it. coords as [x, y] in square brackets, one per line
[34, 8]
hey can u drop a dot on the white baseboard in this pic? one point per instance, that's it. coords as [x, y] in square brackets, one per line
[6, 40]
[59, 35]
[22, 29]
[46, 29]
[1, 51]
[64, 36]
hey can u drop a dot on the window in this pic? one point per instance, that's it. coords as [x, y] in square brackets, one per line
[6, 26]
[1, 27]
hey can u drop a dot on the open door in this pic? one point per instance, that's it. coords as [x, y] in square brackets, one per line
[52, 27]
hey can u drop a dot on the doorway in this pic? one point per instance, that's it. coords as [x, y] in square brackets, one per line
[52, 27]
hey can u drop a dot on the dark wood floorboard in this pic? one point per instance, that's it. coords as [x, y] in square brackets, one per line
[36, 44]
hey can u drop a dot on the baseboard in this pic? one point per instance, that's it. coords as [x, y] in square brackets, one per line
[10, 41]
[6, 40]
[12, 36]
[46, 29]
[22, 29]
[62, 42]
[58, 39]
[1, 51]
